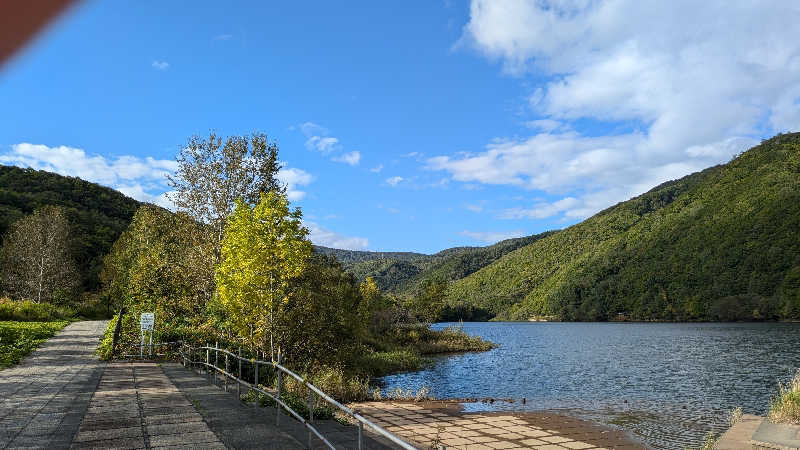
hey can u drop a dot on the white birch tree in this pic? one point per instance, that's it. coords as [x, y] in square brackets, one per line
[37, 260]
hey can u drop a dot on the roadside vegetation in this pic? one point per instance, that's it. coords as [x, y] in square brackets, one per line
[786, 406]
[17, 339]
[234, 265]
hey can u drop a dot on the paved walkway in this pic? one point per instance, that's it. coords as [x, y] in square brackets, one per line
[241, 425]
[44, 398]
[137, 406]
[428, 426]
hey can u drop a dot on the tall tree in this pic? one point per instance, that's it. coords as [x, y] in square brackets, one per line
[264, 249]
[212, 175]
[37, 260]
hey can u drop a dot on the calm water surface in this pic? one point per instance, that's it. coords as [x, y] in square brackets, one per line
[669, 384]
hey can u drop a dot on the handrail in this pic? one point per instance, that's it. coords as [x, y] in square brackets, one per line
[312, 390]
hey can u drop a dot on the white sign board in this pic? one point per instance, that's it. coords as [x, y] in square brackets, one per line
[147, 321]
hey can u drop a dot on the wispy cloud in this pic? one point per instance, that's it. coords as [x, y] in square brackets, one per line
[393, 181]
[351, 158]
[327, 238]
[318, 138]
[223, 37]
[377, 168]
[490, 237]
[160, 65]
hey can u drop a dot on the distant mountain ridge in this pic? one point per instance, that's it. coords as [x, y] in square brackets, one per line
[402, 273]
[720, 244]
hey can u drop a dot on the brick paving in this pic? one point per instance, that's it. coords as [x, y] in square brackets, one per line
[137, 406]
[427, 427]
[43, 399]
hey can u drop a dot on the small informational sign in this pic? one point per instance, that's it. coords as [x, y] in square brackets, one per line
[147, 321]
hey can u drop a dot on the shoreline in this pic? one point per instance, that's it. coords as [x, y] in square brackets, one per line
[429, 423]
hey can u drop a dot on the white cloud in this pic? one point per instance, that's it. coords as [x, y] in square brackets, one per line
[474, 208]
[351, 158]
[141, 178]
[293, 178]
[160, 65]
[223, 37]
[490, 237]
[683, 85]
[317, 138]
[327, 238]
[393, 181]
[377, 168]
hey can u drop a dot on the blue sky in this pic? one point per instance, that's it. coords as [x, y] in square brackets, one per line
[414, 126]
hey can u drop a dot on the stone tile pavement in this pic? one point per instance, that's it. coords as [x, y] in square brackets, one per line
[428, 427]
[43, 399]
[243, 425]
[137, 406]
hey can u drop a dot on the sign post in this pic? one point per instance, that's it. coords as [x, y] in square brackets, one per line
[147, 321]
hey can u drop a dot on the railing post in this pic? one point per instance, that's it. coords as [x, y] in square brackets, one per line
[208, 360]
[360, 435]
[216, 361]
[239, 381]
[310, 413]
[226, 372]
[278, 405]
[258, 395]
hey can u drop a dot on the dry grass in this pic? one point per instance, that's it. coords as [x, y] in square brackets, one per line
[786, 406]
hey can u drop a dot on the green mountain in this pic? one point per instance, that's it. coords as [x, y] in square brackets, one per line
[98, 214]
[721, 244]
[402, 273]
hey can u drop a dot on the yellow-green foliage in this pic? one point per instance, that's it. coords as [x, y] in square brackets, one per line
[17, 339]
[161, 264]
[26, 310]
[786, 406]
[265, 247]
[720, 244]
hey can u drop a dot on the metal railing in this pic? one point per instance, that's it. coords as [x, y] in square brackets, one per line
[188, 351]
[142, 350]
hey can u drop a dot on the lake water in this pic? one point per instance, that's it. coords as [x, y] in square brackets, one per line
[667, 383]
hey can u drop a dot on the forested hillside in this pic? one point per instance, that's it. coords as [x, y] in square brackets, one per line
[97, 214]
[721, 244]
[402, 273]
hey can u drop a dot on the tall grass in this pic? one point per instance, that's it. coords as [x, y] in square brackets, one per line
[786, 406]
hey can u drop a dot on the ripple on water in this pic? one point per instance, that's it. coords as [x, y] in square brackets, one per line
[667, 383]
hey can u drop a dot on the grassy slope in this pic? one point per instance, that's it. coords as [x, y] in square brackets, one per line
[97, 214]
[718, 244]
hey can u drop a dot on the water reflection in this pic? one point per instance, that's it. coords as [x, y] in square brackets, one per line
[668, 383]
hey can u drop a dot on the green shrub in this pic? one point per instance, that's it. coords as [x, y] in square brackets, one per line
[26, 310]
[17, 339]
